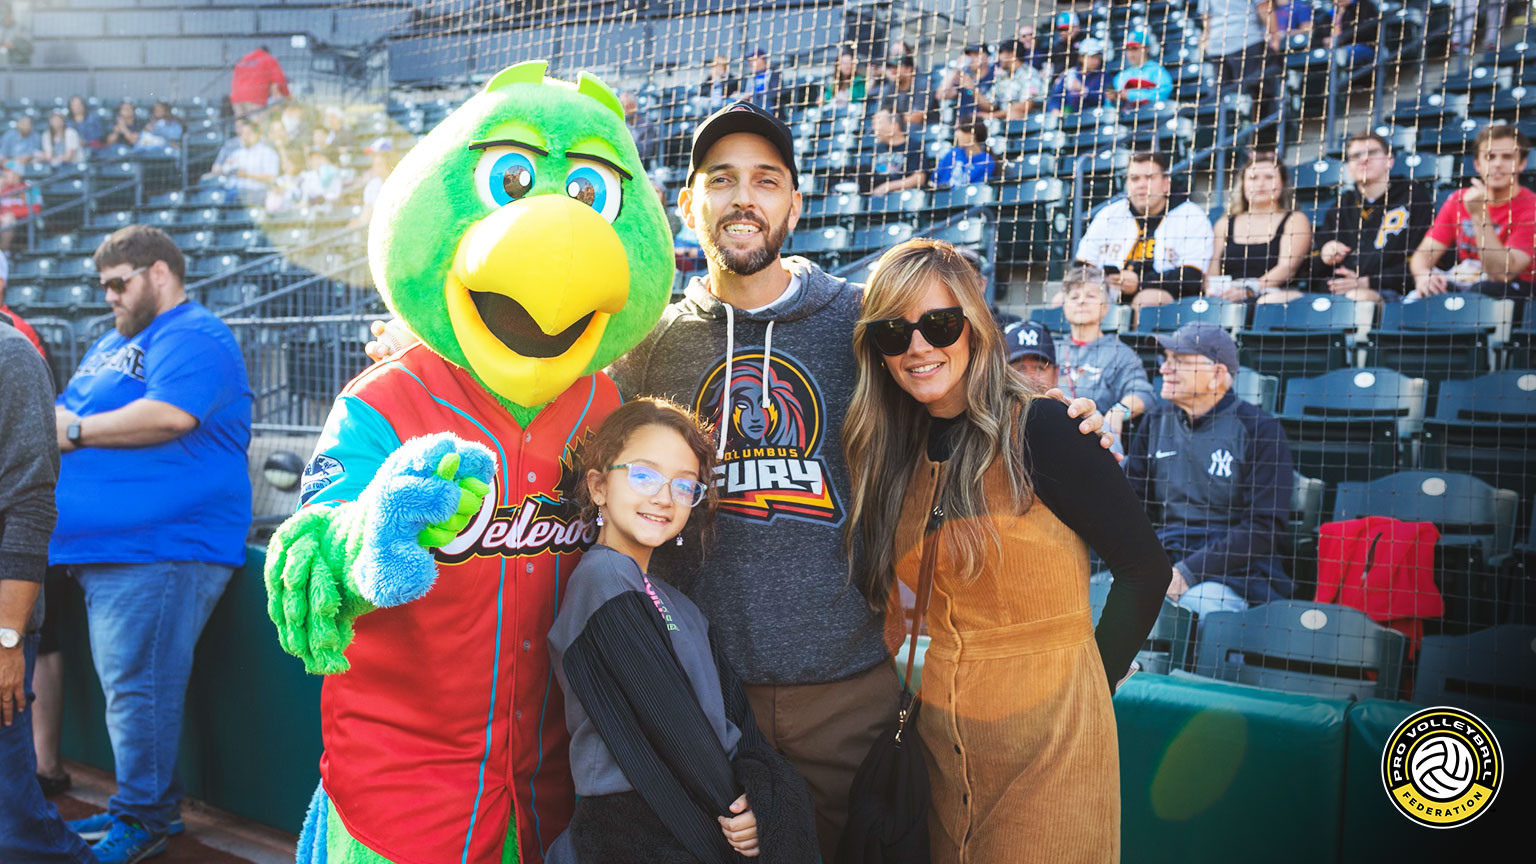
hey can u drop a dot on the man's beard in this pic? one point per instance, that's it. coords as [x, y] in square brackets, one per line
[744, 263]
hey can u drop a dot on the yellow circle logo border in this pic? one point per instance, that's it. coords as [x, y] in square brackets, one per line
[1471, 733]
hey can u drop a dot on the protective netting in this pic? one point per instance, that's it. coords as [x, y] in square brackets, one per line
[1304, 153]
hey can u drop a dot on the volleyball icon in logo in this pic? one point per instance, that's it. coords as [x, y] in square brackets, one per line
[1442, 768]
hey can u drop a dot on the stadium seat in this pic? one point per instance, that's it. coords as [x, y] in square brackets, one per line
[905, 201]
[32, 269]
[1302, 647]
[1476, 524]
[1307, 336]
[1032, 226]
[960, 198]
[1418, 167]
[830, 207]
[76, 269]
[110, 221]
[1484, 427]
[1445, 336]
[1256, 388]
[1166, 319]
[1317, 180]
[1029, 167]
[23, 298]
[1491, 672]
[878, 238]
[831, 238]
[1167, 647]
[1520, 351]
[967, 231]
[1352, 424]
[192, 242]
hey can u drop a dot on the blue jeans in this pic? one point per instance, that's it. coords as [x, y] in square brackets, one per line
[144, 623]
[30, 827]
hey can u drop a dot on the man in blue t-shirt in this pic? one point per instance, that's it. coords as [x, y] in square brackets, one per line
[154, 505]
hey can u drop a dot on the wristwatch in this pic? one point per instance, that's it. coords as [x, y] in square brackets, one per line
[9, 638]
[72, 432]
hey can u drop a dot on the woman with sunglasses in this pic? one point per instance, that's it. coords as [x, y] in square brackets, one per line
[947, 445]
[668, 763]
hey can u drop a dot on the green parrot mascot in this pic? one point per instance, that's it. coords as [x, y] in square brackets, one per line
[522, 242]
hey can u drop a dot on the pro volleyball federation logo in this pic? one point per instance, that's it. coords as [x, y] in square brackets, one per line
[1442, 766]
[774, 426]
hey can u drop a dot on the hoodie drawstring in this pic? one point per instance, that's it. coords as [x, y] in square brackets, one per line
[730, 356]
[725, 390]
[767, 358]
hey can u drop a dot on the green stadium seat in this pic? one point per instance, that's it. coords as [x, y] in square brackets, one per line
[1308, 336]
[1484, 427]
[1352, 424]
[1491, 672]
[1445, 336]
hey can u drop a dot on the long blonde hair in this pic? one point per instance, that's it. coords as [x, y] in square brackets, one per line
[885, 433]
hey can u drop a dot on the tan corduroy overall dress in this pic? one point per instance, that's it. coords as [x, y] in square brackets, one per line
[1017, 720]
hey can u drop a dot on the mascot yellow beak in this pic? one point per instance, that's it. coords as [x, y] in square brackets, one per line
[530, 293]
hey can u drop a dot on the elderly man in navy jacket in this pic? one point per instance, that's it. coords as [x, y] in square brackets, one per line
[1219, 470]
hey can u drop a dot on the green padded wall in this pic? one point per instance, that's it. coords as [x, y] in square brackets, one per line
[251, 742]
[1375, 830]
[1215, 772]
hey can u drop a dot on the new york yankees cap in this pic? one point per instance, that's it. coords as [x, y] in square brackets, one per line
[1029, 339]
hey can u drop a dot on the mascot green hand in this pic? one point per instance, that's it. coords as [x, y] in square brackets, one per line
[521, 241]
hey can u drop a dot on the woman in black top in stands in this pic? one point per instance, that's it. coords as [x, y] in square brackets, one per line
[1262, 242]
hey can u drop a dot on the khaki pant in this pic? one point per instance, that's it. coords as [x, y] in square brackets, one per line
[825, 731]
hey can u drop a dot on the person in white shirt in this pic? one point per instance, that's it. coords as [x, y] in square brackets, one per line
[1152, 250]
[252, 165]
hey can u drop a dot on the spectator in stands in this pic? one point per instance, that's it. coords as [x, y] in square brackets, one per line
[1262, 242]
[1234, 37]
[338, 135]
[905, 92]
[1018, 89]
[845, 86]
[1083, 88]
[969, 161]
[647, 138]
[898, 161]
[381, 161]
[1465, 16]
[21, 145]
[1215, 475]
[1030, 50]
[16, 320]
[718, 86]
[30, 827]
[964, 80]
[251, 166]
[18, 201]
[1093, 363]
[125, 126]
[277, 134]
[296, 122]
[1491, 225]
[85, 124]
[764, 86]
[61, 144]
[1353, 31]
[1062, 52]
[1153, 250]
[164, 129]
[1368, 236]
[283, 191]
[1291, 17]
[1032, 352]
[159, 414]
[320, 183]
[257, 79]
[1142, 79]
[15, 41]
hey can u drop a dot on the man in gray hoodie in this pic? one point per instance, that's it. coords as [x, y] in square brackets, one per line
[30, 827]
[761, 346]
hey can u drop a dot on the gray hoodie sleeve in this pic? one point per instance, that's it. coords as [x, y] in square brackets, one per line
[1127, 377]
[29, 459]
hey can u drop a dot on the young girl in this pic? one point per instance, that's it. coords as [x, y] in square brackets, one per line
[668, 763]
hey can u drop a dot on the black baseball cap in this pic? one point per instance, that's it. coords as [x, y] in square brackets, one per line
[746, 117]
[1029, 339]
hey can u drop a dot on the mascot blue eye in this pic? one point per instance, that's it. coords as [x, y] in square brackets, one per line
[511, 178]
[504, 175]
[596, 186]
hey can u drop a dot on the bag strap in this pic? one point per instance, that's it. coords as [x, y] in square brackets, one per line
[931, 532]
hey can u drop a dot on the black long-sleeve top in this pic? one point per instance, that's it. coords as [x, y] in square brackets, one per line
[1084, 487]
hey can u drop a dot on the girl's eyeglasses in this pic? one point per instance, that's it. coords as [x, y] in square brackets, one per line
[648, 481]
[941, 327]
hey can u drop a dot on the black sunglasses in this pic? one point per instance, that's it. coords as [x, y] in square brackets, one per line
[940, 327]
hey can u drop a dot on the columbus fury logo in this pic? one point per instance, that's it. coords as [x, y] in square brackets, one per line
[774, 434]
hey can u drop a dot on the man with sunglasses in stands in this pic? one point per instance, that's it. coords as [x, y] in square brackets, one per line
[761, 346]
[154, 504]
